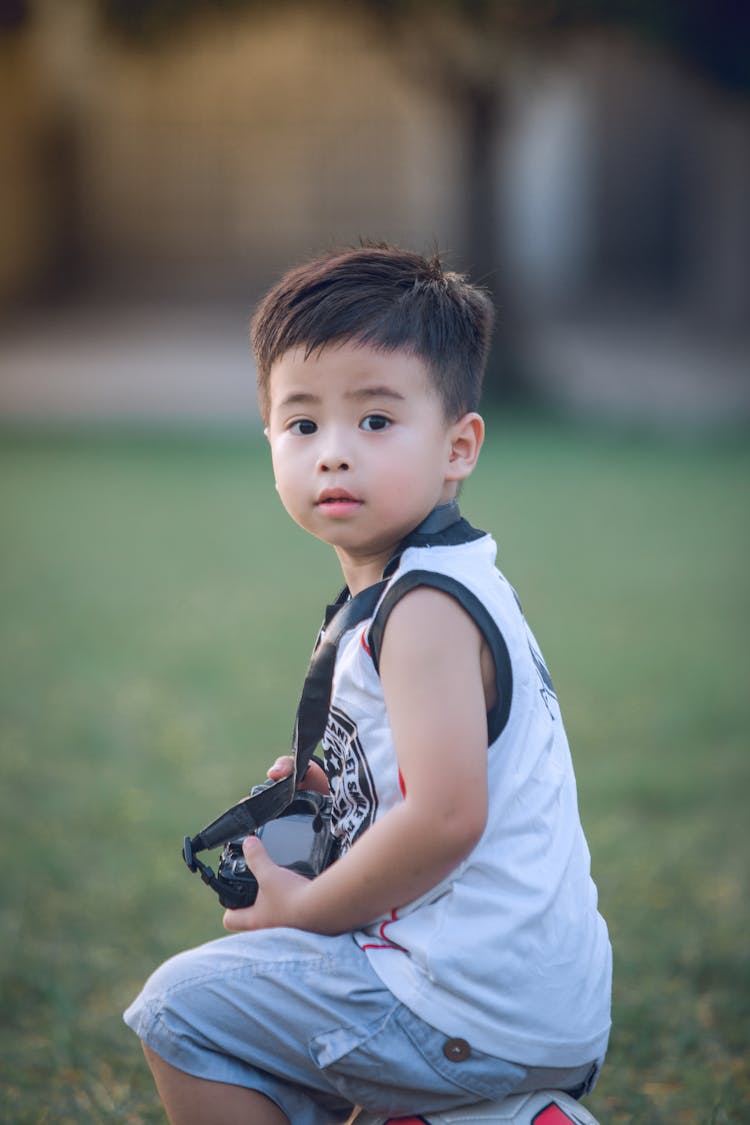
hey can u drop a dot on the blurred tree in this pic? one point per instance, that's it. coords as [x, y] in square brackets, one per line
[463, 50]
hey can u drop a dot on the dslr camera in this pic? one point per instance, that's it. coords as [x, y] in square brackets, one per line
[298, 837]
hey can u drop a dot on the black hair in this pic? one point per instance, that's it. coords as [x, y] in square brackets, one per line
[389, 299]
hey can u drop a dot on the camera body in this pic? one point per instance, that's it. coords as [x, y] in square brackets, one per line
[299, 838]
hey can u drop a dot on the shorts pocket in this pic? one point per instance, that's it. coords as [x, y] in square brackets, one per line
[483, 1075]
[397, 1065]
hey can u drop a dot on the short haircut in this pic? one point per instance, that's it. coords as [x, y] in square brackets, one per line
[386, 298]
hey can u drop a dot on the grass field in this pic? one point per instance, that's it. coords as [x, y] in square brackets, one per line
[157, 609]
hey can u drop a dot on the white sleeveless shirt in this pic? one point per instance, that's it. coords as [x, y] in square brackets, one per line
[509, 952]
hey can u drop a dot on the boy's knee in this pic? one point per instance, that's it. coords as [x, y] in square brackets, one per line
[166, 1004]
[174, 980]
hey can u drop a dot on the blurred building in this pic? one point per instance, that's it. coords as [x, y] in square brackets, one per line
[198, 167]
[203, 165]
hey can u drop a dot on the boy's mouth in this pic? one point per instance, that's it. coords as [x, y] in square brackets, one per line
[337, 501]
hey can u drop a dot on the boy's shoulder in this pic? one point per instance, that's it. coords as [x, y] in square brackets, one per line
[466, 569]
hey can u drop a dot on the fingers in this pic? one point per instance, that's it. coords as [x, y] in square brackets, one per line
[282, 767]
[258, 861]
[316, 779]
[256, 856]
[239, 921]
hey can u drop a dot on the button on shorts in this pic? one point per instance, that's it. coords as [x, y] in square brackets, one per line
[305, 1020]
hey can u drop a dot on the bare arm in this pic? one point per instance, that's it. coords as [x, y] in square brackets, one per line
[431, 671]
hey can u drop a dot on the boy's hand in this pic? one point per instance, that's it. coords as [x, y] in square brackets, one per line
[314, 778]
[279, 890]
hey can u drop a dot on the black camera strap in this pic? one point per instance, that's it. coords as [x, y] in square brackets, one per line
[267, 801]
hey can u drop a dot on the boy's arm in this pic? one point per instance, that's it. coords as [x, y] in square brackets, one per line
[430, 667]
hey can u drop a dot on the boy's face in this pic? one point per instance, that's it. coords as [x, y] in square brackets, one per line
[362, 450]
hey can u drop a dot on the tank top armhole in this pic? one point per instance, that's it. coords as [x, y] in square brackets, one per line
[497, 716]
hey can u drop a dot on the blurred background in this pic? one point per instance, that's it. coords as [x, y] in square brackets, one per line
[161, 163]
[164, 160]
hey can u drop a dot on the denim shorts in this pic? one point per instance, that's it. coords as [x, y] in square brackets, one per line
[305, 1020]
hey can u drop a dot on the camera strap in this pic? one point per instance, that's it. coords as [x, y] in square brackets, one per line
[269, 800]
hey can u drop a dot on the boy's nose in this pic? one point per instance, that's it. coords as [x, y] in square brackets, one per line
[334, 448]
[334, 463]
[333, 455]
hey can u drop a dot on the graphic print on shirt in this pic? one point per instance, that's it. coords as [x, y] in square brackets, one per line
[355, 802]
[546, 689]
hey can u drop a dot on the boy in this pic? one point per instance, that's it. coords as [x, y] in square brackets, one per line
[454, 952]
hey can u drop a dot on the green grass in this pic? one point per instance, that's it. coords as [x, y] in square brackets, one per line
[157, 610]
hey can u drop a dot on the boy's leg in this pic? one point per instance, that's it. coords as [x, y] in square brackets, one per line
[303, 1021]
[196, 1101]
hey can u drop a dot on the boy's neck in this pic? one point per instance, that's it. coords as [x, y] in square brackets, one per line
[359, 573]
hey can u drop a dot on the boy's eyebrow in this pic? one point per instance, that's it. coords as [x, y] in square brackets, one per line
[374, 392]
[299, 397]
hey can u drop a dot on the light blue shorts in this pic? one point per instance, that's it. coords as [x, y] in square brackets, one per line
[305, 1020]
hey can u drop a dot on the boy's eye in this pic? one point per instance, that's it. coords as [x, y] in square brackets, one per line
[303, 427]
[375, 422]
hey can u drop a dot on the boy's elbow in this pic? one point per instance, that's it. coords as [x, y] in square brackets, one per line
[462, 829]
[448, 824]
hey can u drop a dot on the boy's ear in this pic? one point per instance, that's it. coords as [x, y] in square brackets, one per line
[466, 440]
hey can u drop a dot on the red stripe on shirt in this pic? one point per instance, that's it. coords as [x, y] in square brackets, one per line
[388, 943]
